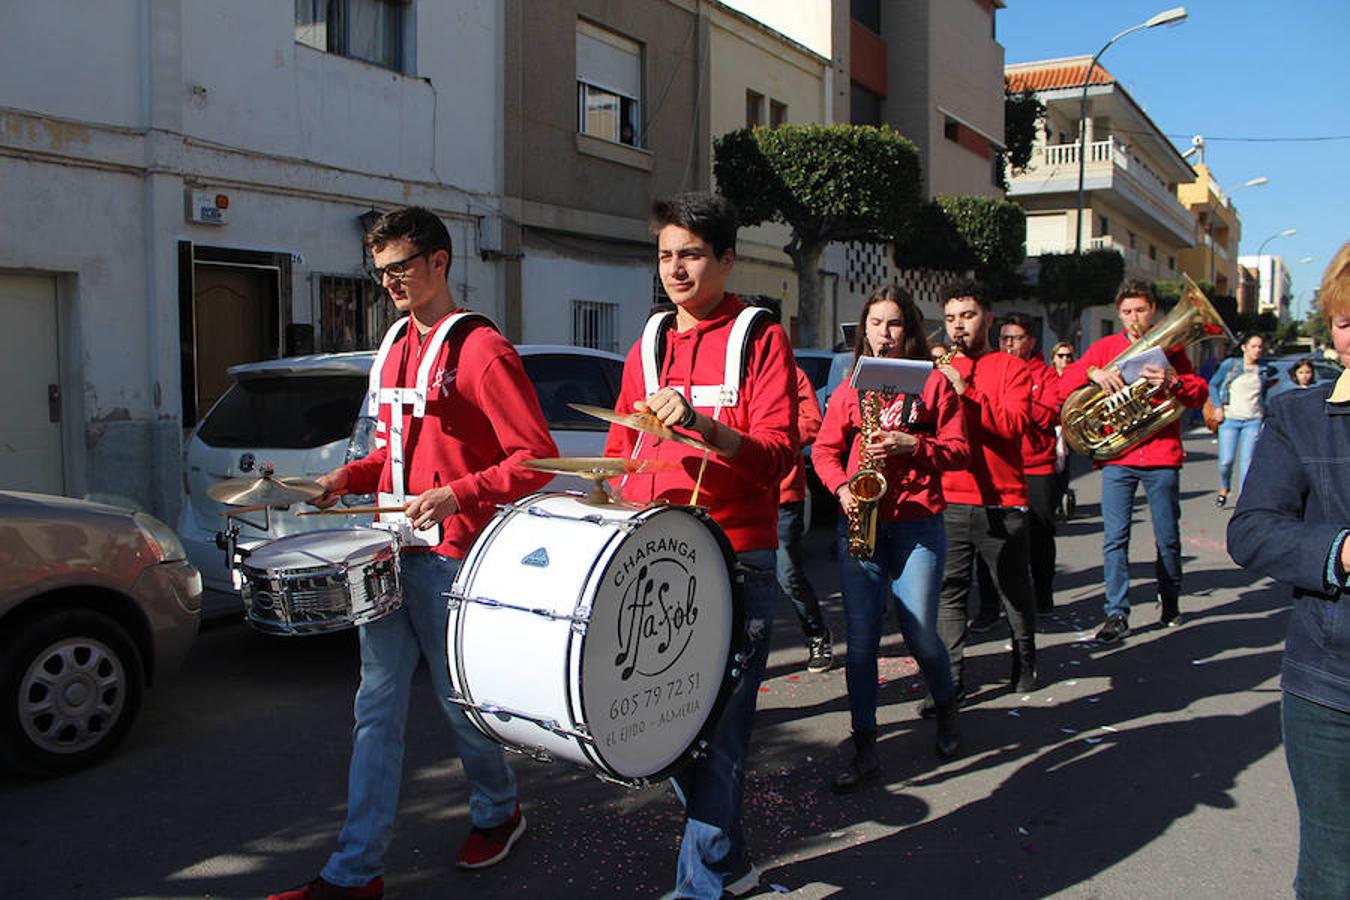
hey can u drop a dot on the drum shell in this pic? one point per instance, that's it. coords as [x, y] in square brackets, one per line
[558, 623]
[321, 581]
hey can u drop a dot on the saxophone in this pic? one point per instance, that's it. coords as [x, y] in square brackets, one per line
[867, 485]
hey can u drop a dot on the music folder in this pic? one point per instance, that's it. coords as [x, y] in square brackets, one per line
[902, 376]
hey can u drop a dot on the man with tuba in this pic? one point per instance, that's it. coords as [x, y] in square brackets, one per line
[1154, 462]
[986, 514]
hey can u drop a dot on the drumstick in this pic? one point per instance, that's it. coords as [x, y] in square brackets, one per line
[351, 511]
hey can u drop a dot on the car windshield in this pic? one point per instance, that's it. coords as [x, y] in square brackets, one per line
[563, 378]
[285, 412]
[817, 369]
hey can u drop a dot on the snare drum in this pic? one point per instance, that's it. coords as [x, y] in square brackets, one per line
[600, 635]
[320, 581]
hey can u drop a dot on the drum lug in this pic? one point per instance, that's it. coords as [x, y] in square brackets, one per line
[452, 600]
[581, 619]
[634, 783]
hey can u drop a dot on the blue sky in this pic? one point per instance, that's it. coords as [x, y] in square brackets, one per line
[1234, 69]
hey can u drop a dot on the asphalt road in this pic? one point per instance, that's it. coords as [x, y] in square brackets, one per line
[1152, 769]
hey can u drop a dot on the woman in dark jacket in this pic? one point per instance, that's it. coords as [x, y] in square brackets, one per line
[1293, 524]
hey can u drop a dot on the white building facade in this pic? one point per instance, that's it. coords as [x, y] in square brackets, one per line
[1274, 290]
[182, 191]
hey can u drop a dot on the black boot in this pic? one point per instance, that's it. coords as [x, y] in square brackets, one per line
[948, 734]
[864, 767]
[1023, 676]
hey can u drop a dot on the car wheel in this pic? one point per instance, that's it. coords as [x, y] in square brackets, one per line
[71, 685]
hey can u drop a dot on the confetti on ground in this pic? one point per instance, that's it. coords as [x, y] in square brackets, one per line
[1021, 830]
[779, 889]
[1094, 699]
[1110, 729]
[1071, 682]
[1013, 712]
[1068, 731]
[1093, 740]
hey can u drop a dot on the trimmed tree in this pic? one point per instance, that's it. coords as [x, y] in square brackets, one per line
[1069, 284]
[953, 233]
[827, 183]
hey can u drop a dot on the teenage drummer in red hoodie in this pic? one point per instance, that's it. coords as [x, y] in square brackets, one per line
[1017, 336]
[986, 510]
[911, 439]
[467, 416]
[721, 371]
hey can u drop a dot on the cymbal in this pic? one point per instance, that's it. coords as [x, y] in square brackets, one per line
[264, 490]
[597, 468]
[647, 423]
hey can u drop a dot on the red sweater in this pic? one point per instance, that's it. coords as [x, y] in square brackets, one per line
[482, 418]
[913, 483]
[793, 488]
[1038, 443]
[997, 407]
[741, 492]
[1163, 450]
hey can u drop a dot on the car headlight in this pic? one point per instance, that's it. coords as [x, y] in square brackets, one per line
[161, 538]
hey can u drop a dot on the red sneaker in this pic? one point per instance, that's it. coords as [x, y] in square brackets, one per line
[487, 846]
[318, 889]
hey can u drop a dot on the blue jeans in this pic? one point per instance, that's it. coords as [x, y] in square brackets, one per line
[712, 852]
[1118, 487]
[390, 650]
[791, 575]
[1235, 434]
[906, 567]
[1317, 749]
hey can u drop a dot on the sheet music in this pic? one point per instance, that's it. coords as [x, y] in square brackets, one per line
[906, 376]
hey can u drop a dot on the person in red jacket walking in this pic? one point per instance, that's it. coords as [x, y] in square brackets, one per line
[1018, 337]
[986, 502]
[919, 436]
[1154, 463]
[454, 460]
[791, 525]
[679, 372]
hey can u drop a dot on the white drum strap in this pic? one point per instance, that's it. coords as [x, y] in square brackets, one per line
[714, 396]
[399, 397]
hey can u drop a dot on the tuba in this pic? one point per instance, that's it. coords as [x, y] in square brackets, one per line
[867, 485]
[1103, 426]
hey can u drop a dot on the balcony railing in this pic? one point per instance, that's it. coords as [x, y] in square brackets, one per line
[1136, 263]
[1054, 169]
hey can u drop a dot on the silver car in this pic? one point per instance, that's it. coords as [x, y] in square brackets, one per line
[303, 416]
[96, 603]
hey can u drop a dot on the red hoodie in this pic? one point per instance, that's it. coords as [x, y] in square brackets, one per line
[1163, 450]
[997, 407]
[793, 487]
[482, 418]
[741, 492]
[1038, 442]
[913, 482]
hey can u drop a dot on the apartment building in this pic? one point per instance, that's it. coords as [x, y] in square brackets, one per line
[1131, 176]
[1218, 229]
[185, 186]
[1269, 286]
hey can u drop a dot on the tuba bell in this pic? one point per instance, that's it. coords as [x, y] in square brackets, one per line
[1103, 426]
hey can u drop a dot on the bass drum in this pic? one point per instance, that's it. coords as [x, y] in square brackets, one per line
[600, 635]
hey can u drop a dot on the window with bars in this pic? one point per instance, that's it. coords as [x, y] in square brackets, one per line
[595, 325]
[609, 85]
[353, 313]
[368, 30]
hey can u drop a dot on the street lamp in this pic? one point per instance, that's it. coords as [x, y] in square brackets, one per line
[1174, 16]
[1250, 182]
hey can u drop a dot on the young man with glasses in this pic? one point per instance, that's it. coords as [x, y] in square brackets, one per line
[1018, 337]
[458, 457]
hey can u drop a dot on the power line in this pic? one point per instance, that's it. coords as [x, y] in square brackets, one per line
[1269, 140]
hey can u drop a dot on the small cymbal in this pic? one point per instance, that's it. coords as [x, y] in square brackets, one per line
[264, 490]
[647, 423]
[597, 468]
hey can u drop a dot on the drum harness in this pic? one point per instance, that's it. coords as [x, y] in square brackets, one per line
[397, 398]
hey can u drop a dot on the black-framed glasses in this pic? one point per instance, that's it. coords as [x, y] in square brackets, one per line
[397, 270]
[1063, 355]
